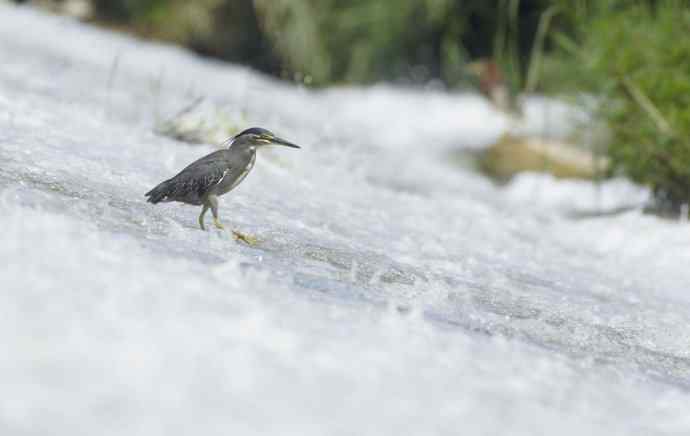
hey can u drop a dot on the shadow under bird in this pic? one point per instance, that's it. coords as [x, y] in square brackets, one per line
[203, 181]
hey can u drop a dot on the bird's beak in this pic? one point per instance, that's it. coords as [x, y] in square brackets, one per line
[281, 141]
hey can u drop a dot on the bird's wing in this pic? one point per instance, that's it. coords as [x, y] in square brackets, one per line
[196, 181]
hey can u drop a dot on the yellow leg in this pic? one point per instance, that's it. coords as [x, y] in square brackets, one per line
[201, 217]
[213, 202]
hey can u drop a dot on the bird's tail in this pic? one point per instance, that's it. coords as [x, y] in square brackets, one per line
[158, 194]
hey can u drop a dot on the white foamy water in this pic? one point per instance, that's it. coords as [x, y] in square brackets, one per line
[392, 292]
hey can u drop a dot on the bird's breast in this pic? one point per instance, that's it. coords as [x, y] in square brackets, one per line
[241, 174]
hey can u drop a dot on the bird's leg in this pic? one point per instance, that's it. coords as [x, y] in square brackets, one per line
[201, 216]
[248, 239]
[213, 200]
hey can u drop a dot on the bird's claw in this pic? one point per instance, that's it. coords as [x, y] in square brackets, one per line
[247, 239]
[218, 224]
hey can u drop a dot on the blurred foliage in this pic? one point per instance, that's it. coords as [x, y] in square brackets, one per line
[328, 41]
[635, 56]
[227, 29]
[363, 41]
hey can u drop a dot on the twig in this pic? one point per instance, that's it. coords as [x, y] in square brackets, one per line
[514, 55]
[111, 82]
[538, 49]
[646, 104]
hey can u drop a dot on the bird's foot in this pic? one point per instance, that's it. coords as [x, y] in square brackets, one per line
[218, 224]
[247, 239]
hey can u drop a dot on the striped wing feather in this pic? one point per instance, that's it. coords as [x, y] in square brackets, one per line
[192, 183]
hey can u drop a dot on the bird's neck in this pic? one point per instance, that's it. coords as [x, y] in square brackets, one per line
[241, 146]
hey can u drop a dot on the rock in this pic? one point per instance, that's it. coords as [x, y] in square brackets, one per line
[513, 154]
[81, 9]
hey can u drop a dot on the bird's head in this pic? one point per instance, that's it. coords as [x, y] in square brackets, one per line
[257, 137]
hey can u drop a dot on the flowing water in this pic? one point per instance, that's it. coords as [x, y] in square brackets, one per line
[391, 291]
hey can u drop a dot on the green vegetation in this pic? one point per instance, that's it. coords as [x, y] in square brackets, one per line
[364, 41]
[227, 29]
[331, 41]
[635, 57]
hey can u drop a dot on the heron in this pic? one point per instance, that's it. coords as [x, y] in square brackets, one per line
[206, 179]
